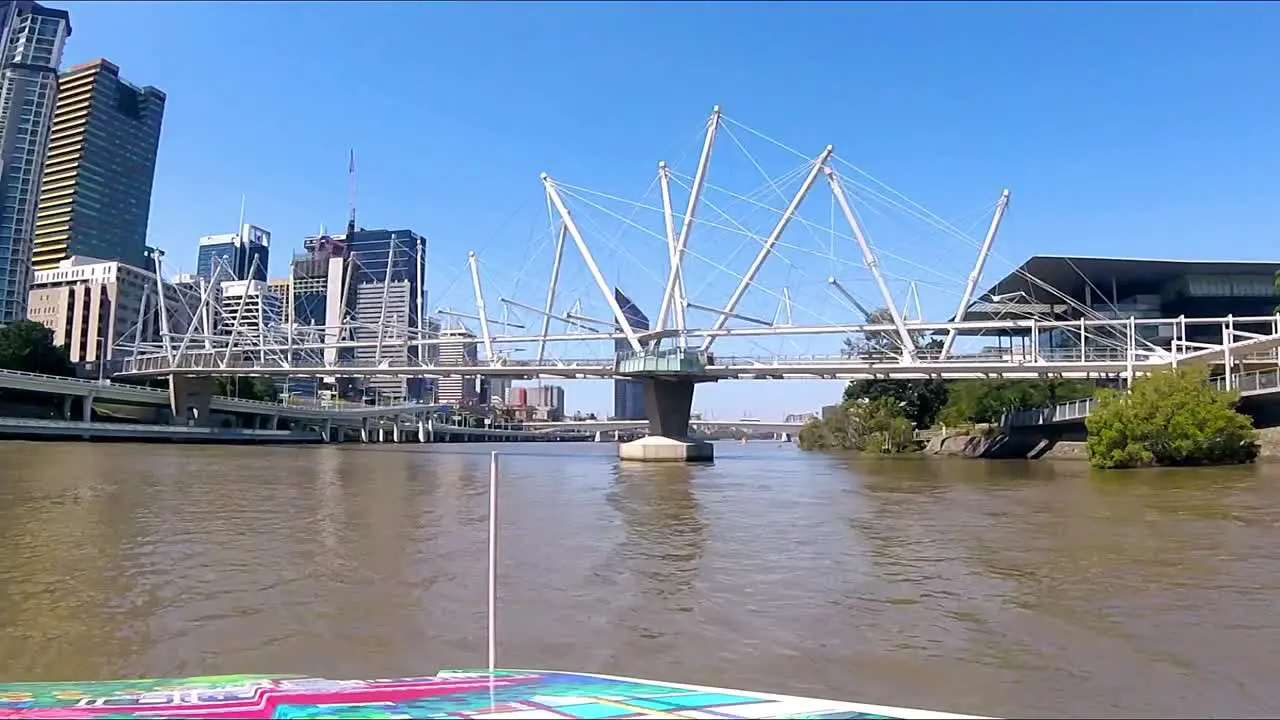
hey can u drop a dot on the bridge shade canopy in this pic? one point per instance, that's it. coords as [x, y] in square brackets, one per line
[1070, 275]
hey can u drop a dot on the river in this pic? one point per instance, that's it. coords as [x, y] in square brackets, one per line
[1022, 589]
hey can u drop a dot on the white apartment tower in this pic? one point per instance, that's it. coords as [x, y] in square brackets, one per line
[457, 348]
[31, 39]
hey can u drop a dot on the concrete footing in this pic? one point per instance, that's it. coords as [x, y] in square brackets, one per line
[663, 449]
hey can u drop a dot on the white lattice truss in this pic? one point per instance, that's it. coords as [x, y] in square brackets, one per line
[204, 338]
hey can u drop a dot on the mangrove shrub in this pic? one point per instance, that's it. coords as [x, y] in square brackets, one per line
[1173, 417]
[985, 401]
[865, 425]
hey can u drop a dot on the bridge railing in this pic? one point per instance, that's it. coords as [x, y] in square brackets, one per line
[1253, 381]
[1246, 383]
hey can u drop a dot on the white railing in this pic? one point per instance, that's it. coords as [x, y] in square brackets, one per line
[1254, 382]
[126, 428]
[107, 387]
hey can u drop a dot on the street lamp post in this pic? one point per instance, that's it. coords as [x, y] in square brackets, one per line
[101, 351]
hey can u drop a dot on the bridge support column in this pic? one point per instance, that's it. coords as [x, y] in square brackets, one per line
[422, 431]
[67, 402]
[190, 396]
[395, 431]
[327, 430]
[86, 408]
[668, 404]
[364, 430]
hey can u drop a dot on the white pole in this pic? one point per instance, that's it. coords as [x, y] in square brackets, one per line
[480, 310]
[551, 291]
[664, 177]
[974, 276]
[161, 306]
[386, 288]
[869, 258]
[699, 176]
[769, 242]
[421, 294]
[493, 562]
[618, 315]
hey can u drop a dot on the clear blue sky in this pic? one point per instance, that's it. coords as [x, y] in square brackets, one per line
[1141, 129]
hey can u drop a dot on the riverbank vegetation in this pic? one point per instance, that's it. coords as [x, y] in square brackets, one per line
[1175, 417]
[1172, 418]
[28, 346]
[862, 424]
[882, 415]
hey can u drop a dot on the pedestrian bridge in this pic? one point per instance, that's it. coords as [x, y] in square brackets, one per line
[1249, 384]
[616, 425]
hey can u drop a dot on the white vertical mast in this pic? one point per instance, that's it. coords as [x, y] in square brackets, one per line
[664, 179]
[572, 227]
[976, 275]
[869, 257]
[480, 310]
[551, 292]
[699, 177]
[769, 242]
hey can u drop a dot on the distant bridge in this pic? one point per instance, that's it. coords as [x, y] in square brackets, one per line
[612, 425]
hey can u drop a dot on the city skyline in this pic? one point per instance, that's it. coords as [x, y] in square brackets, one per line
[454, 171]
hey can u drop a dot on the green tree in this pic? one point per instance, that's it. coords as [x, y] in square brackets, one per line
[879, 342]
[920, 400]
[28, 346]
[1173, 417]
[984, 401]
[254, 388]
[864, 425]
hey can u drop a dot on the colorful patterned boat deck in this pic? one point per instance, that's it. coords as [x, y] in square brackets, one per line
[456, 695]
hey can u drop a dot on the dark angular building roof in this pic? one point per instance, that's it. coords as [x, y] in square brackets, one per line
[1070, 275]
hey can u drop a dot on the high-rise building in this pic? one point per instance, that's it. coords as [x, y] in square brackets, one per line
[31, 41]
[95, 198]
[498, 390]
[92, 305]
[382, 296]
[548, 399]
[235, 256]
[457, 349]
[248, 307]
[628, 395]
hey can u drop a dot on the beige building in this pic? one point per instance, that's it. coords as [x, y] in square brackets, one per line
[457, 349]
[92, 306]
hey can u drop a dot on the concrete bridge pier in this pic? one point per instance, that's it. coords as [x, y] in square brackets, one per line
[395, 431]
[668, 403]
[364, 430]
[422, 431]
[190, 396]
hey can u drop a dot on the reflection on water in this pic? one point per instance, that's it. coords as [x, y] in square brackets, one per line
[1017, 589]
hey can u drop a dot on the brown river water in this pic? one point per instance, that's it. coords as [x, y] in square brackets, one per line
[1021, 589]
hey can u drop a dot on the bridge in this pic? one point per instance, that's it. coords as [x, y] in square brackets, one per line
[773, 300]
[1253, 383]
[614, 425]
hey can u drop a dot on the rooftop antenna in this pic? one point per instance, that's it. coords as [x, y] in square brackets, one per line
[351, 192]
